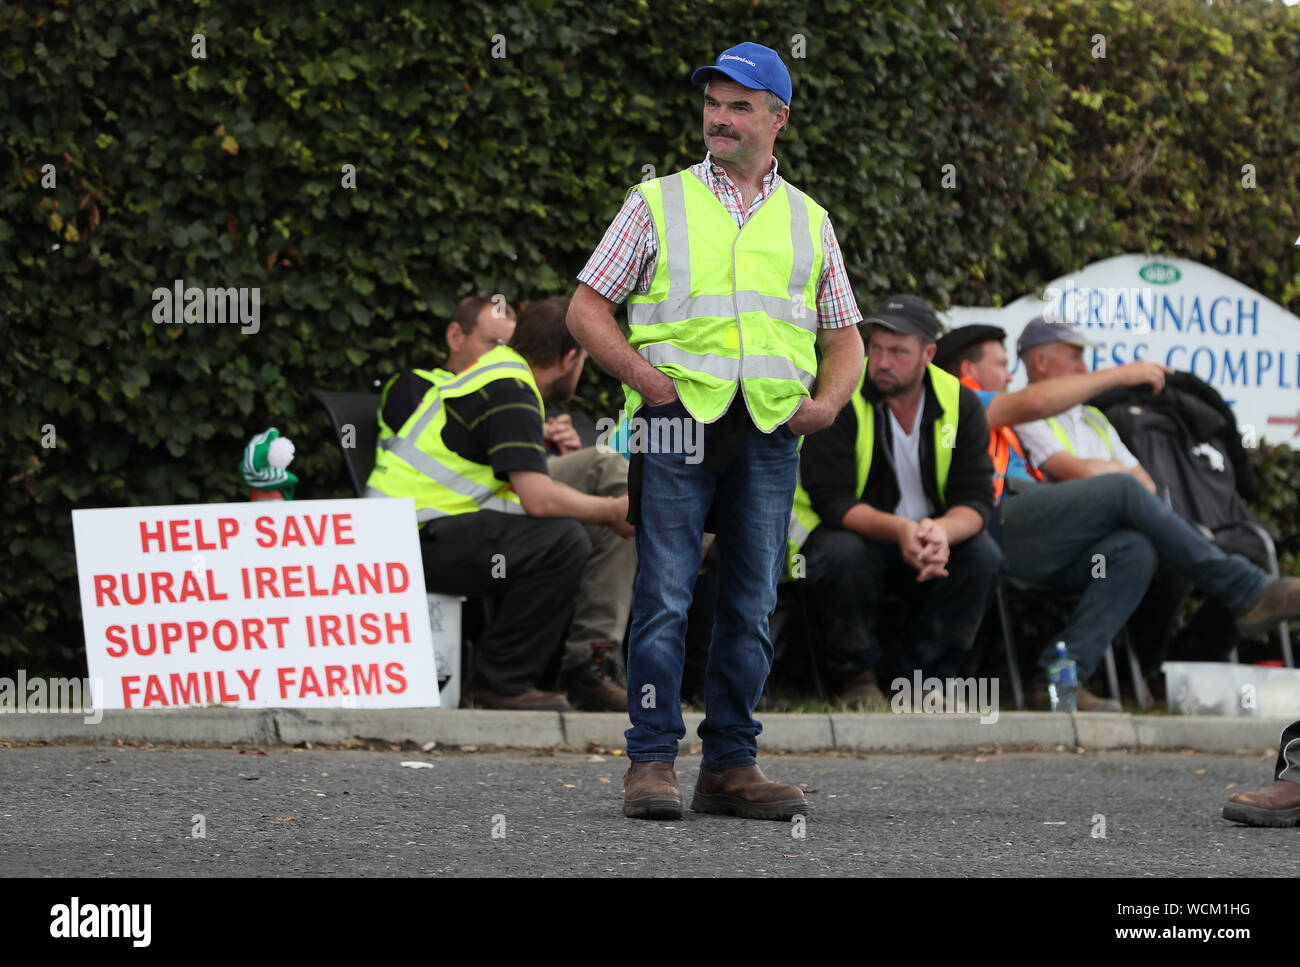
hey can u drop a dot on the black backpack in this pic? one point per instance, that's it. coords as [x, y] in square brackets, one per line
[1187, 438]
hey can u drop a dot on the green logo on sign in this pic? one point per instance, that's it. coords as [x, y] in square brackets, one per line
[1160, 273]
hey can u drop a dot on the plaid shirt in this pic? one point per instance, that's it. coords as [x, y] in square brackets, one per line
[624, 262]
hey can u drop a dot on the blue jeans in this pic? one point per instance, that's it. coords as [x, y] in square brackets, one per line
[752, 501]
[1102, 536]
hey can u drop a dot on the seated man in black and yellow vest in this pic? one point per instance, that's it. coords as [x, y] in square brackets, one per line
[468, 447]
[591, 668]
[896, 493]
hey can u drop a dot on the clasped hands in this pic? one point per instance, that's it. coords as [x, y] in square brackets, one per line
[924, 545]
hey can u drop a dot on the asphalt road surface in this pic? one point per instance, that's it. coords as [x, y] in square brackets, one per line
[114, 811]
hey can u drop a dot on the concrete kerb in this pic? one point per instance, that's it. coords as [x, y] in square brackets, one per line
[443, 726]
[1208, 733]
[1105, 730]
[583, 729]
[942, 733]
[221, 726]
[579, 730]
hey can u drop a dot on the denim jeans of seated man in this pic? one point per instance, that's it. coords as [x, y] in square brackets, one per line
[751, 497]
[1100, 536]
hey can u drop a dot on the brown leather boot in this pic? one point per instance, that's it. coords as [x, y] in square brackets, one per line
[589, 689]
[1281, 602]
[1084, 701]
[650, 791]
[863, 692]
[745, 791]
[528, 700]
[1275, 805]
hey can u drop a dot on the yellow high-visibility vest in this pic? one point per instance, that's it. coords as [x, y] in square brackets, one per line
[730, 306]
[947, 389]
[1096, 419]
[412, 461]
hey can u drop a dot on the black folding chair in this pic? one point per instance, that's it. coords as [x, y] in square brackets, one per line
[355, 417]
[1028, 589]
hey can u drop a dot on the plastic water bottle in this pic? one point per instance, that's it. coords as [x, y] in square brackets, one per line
[1062, 681]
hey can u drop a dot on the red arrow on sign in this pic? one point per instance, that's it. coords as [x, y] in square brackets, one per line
[1294, 420]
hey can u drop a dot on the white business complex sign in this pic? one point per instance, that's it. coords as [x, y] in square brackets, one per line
[1180, 313]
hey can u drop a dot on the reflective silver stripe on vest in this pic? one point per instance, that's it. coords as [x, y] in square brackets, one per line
[678, 305]
[434, 469]
[661, 353]
[679, 242]
[403, 445]
[801, 241]
[722, 306]
[776, 367]
[798, 533]
[422, 514]
[427, 418]
[764, 367]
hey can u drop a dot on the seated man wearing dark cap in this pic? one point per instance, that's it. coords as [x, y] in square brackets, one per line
[896, 492]
[1056, 535]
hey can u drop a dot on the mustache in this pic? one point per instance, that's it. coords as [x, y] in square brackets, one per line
[716, 129]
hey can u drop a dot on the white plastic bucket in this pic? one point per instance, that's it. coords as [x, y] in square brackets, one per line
[1222, 688]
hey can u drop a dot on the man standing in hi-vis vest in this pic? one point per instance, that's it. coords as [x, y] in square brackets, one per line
[733, 279]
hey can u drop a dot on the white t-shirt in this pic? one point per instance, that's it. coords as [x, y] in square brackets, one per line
[913, 504]
[1041, 444]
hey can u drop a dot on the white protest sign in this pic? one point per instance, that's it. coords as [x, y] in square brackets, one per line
[1180, 313]
[267, 604]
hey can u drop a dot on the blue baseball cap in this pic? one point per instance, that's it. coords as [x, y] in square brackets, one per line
[750, 65]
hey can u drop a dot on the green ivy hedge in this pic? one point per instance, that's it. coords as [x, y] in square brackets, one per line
[491, 144]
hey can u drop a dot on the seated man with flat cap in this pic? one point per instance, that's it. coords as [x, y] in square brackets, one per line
[1057, 534]
[896, 493]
